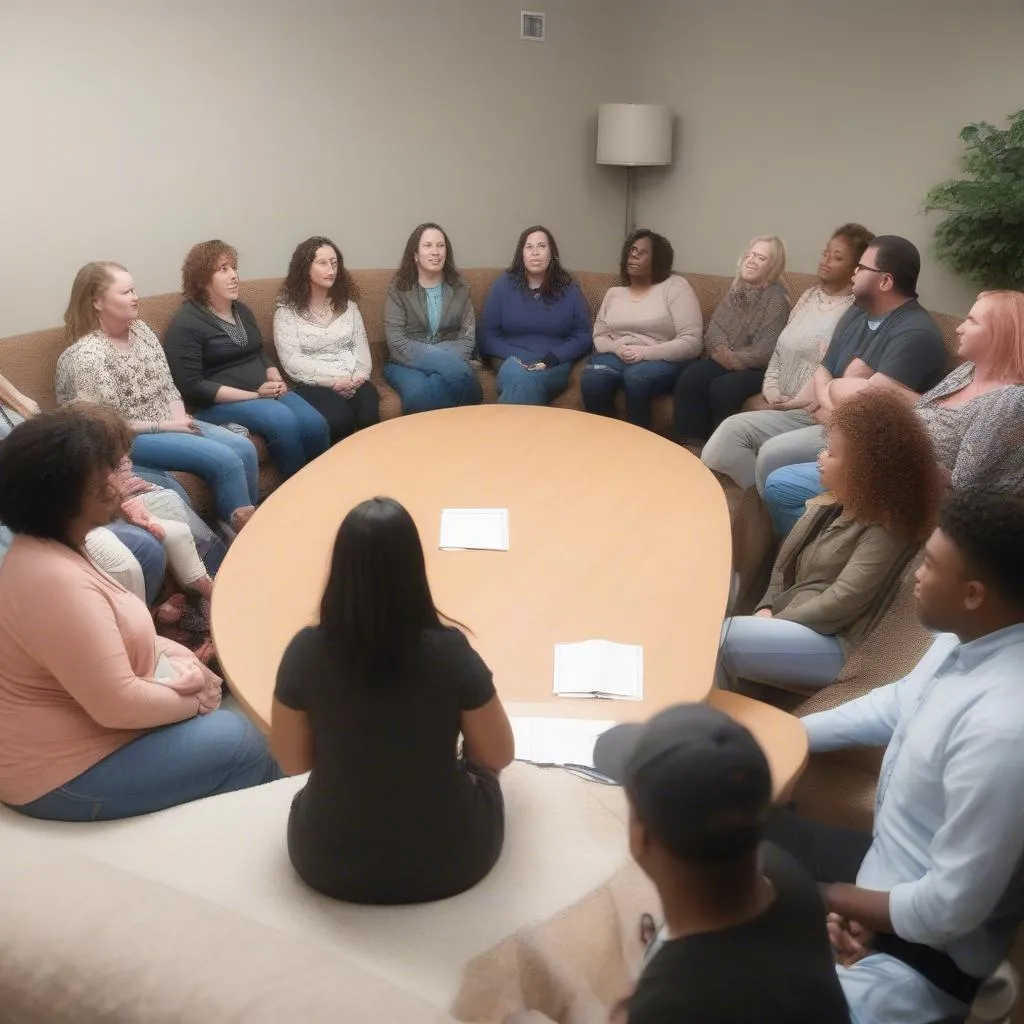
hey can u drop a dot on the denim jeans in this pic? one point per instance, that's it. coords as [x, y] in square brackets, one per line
[774, 651]
[439, 379]
[294, 431]
[206, 755]
[605, 373]
[519, 386]
[787, 491]
[148, 552]
[225, 461]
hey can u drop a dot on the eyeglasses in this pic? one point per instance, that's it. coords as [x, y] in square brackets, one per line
[874, 270]
[636, 252]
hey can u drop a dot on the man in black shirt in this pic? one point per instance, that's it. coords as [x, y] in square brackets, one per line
[745, 937]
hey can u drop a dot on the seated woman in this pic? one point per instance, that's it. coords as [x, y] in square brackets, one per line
[321, 341]
[734, 448]
[371, 702]
[645, 330]
[975, 415]
[841, 567]
[535, 323]
[215, 351]
[738, 343]
[430, 327]
[130, 555]
[99, 717]
[114, 359]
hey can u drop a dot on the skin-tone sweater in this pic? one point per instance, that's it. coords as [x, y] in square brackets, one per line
[667, 321]
[78, 655]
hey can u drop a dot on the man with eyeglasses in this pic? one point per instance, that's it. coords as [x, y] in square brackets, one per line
[886, 340]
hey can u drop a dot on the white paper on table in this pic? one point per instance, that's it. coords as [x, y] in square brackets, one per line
[483, 529]
[557, 741]
[599, 668]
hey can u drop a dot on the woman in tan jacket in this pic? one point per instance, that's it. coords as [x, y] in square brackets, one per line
[840, 567]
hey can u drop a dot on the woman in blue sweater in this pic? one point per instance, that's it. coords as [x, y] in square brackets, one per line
[535, 324]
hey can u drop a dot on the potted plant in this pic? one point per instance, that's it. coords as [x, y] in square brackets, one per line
[983, 236]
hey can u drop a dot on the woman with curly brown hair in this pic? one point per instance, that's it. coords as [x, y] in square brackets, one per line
[842, 564]
[215, 352]
[321, 341]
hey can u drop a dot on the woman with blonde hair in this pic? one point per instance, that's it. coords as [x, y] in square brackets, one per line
[738, 343]
[975, 415]
[114, 359]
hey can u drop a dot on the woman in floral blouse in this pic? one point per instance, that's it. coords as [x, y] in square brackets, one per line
[114, 359]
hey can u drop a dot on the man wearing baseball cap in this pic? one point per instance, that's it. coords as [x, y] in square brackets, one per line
[744, 937]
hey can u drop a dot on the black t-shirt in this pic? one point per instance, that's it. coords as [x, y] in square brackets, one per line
[775, 969]
[906, 346]
[390, 813]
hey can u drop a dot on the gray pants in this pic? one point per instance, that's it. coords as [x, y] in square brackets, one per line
[774, 651]
[750, 445]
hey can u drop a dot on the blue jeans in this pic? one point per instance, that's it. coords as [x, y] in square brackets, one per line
[206, 755]
[225, 461]
[775, 651]
[294, 431]
[605, 373]
[438, 380]
[519, 386]
[148, 552]
[787, 491]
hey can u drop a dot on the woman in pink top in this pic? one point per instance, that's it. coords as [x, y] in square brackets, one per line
[99, 717]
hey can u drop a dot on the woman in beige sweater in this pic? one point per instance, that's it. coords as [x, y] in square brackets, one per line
[645, 331]
[841, 565]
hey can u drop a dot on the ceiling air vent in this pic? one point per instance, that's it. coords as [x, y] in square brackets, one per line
[531, 25]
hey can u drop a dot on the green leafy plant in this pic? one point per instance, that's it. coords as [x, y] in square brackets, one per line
[983, 236]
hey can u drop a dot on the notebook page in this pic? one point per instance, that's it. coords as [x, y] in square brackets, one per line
[558, 740]
[599, 668]
[482, 529]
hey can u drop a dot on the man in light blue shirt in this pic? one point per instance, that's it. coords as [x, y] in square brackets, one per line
[925, 910]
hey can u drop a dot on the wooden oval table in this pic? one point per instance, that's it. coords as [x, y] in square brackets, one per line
[614, 533]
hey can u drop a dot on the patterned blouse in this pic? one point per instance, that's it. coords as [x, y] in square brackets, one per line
[748, 322]
[981, 442]
[136, 383]
[313, 353]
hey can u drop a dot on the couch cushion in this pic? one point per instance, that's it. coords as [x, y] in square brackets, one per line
[565, 837]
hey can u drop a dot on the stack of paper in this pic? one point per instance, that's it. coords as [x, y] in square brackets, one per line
[599, 668]
[484, 529]
[557, 741]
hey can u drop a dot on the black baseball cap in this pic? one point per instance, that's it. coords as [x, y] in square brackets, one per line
[696, 778]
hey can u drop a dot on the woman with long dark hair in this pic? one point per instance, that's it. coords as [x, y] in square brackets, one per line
[535, 324]
[321, 341]
[371, 701]
[430, 326]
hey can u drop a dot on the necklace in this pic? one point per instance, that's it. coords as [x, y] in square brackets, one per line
[322, 313]
[826, 301]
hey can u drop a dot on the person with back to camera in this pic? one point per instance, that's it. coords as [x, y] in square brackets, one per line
[738, 343]
[535, 323]
[215, 351]
[371, 702]
[734, 449]
[99, 717]
[114, 359]
[646, 330]
[843, 563]
[430, 326]
[321, 341]
[744, 940]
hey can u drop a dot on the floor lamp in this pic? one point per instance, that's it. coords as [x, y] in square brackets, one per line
[634, 135]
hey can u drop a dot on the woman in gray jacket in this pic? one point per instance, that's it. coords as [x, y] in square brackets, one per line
[430, 327]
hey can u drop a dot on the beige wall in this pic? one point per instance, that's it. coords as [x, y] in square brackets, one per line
[132, 130]
[797, 115]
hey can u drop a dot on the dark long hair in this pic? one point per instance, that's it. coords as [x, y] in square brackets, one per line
[295, 289]
[557, 280]
[377, 600]
[408, 273]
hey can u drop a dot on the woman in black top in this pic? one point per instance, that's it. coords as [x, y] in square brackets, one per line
[372, 701]
[215, 352]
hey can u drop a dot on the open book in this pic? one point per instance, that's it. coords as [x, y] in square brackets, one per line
[599, 668]
[483, 529]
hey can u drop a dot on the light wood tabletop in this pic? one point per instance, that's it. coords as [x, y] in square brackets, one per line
[614, 533]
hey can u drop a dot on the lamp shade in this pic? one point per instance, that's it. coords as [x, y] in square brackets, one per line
[634, 134]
